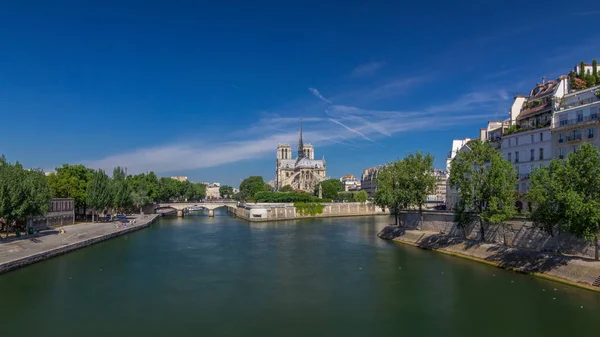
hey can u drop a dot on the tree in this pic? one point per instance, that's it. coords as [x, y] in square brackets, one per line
[390, 192]
[120, 189]
[486, 185]
[250, 186]
[37, 201]
[582, 70]
[345, 196]
[420, 181]
[226, 191]
[71, 181]
[139, 195]
[361, 196]
[549, 197]
[286, 188]
[595, 70]
[578, 180]
[330, 187]
[99, 192]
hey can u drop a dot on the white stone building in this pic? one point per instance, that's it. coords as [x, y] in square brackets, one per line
[439, 195]
[368, 180]
[350, 183]
[451, 193]
[303, 173]
[528, 143]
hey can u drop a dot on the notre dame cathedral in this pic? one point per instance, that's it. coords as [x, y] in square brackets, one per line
[303, 173]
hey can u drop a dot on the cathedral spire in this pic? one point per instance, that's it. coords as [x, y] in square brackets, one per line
[300, 144]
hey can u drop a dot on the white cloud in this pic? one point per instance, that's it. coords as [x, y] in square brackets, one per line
[367, 69]
[318, 95]
[344, 125]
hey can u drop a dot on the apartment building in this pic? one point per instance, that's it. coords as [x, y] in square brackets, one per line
[576, 121]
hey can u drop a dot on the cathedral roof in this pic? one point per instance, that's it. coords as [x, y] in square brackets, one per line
[301, 163]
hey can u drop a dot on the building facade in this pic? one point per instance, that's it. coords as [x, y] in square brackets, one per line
[303, 173]
[576, 121]
[368, 180]
[439, 195]
[350, 183]
[61, 212]
[180, 178]
[451, 193]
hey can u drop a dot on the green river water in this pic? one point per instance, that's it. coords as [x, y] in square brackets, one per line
[221, 276]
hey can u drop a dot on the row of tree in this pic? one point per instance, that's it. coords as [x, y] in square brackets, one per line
[94, 189]
[23, 194]
[565, 195]
[254, 188]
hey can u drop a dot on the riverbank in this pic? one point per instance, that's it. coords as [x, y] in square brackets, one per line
[19, 252]
[574, 270]
[260, 212]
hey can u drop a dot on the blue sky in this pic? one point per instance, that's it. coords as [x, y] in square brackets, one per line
[208, 89]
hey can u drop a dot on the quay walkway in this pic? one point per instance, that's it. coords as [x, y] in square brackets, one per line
[19, 252]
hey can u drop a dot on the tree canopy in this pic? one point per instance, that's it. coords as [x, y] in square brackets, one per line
[361, 196]
[566, 195]
[331, 188]
[250, 186]
[71, 181]
[286, 188]
[99, 192]
[23, 193]
[226, 191]
[486, 185]
[405, 183]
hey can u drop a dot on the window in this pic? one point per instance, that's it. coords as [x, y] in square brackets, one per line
[541, 137]
[579, 116]
[561, 138]
[509, 142]
[516, 140]
[532, 139]
[541, 153]
[590, 133]
[532, 153]
[509, 157]
[563, 120]
[516, 156]
[576, 134]
[561, 153]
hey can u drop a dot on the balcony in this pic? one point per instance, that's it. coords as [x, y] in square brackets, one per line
[526, 127]
[574, 138]
[580, 120]
[578, 103]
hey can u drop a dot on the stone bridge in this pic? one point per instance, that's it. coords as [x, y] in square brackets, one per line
[183, 207]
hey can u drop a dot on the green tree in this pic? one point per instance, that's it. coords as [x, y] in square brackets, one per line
[549, 197]
[250, 186]
[420, 179]
[391, 194]
[286, 188]
[99, 193]
[330, 187]
[71, 181]
[120, 190]
[345, 196]
[23, 194]
[139, 195]
[595, 70]
[582, 70]
[226, 191]
[486, 185]
[579, 182]
[361, 196]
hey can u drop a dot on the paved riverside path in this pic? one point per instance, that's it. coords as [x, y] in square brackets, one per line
[19, 252]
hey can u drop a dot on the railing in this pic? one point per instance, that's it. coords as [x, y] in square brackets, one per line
[578, 103]
[578, 120]
[573, 138]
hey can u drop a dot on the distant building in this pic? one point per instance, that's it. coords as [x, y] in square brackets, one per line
[368, 180]
[61, 212]
[439, 195]
[350, 183]
[180, 178]
[303, 173]
[212, 192]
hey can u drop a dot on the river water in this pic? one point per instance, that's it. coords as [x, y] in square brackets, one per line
[221, 276]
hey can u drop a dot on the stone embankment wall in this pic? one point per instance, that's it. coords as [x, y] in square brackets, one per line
[519, 233]
[40, 256]
[272, 212]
